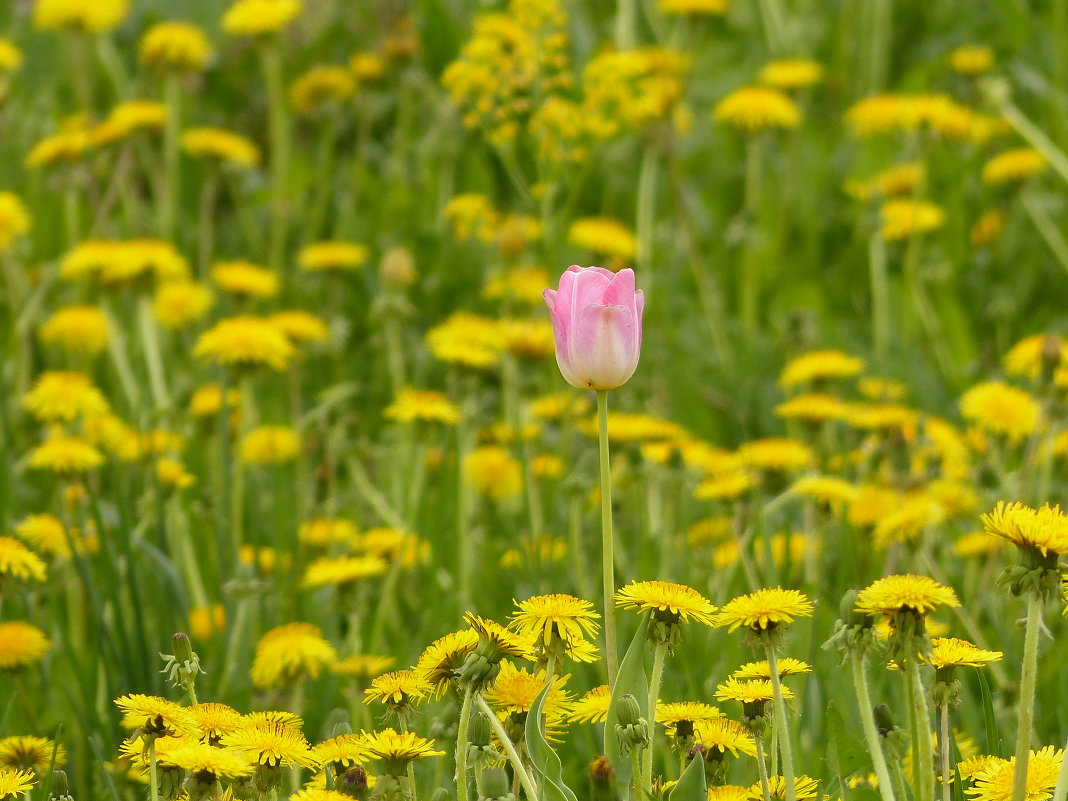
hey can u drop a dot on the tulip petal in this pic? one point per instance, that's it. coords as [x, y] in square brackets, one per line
[603, 347]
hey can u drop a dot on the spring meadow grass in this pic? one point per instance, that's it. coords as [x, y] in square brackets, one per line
[295, 500]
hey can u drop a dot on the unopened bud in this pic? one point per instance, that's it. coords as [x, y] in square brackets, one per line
[353, 782]
[602, 780]
[884, 721]
[397, 268]
[440, 794]
[183, 649]
[631, 729]
[60, 788]
[495, 784]
[479, 730]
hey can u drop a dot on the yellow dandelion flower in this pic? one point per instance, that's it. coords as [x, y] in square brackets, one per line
[301, 326]
[248, 341]
[604, 236]
[245, 278]
[764, 610]
[128, 118]
[320, 86]
[918, 594]
[270, 445]
[999, 408]
[504, 641]
[493, 472]
[1044, 530]
[342, 571]
[401, 688]
[15, 782]
[902, 218]
[19, 562]
[220, 144]
[987, 228]
[749, 692]
[830, 490]
[15, 220]
[973, 766]
[44, 532]
[1013, 166]
[327, 530]
[882, 389]
[791, 73]
[79, 329]
[551, 618]
[819, 365]
[259, 17]
[728, 792]
[63, 454]
[21, 645]
[24, 752]
[680, 717]
[68, 145]
[787, 666]
[812, 407]
[150, 714]
[64, 396]
[1033, 354]
[179, 303]
[977, 543]
[332, 256]
[953, 652]
[411, 405]
[804, 788]
[400, 747]
[367, 66]
[775, 453]
[908, 520]
[95, 17]
[688, 7]
[213, 720]
[271, 743]
[10, 57]
[522, 283]
[593, 706]
[972, 60]
[725, 486]
[995, 783]
[363, 666]
[528, 339]
[725, 735]
[666, 601]
[515, 690]
[206, 621]
[472, 216]
[172, 474]
[467, 340]
[291, 652]
[176, 46]
[204, 760]
[207, 400]
[342, 752]
[757, 108]
[710, 530]
[440, 662]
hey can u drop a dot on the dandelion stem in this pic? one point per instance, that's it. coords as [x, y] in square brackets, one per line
[867, 721]
[465, 546]
[607, 548]
[923, 755]
[168, 202]
[209, 192]
[461, 745]
[278, 122]
[880, 295]
[153, 776]
[750, 281]
[1027, 695]
[947, 770]
[762, 765]
[626, 17]
[659, 652]
[782, 731]
[153, 357]
[513, 756]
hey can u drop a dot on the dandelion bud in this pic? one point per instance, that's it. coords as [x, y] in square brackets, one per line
[1051, 356]
[341, 728]
[884, 721]
[479, 731]
[60, 788]
[440, 794]
[397, 269]
[353, 782]
[602, 780]
[183, 650]
[495, 785]
[632, 729]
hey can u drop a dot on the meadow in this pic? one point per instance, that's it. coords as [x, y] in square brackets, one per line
[324, 475]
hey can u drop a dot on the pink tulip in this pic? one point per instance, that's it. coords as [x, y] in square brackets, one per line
[597, 324]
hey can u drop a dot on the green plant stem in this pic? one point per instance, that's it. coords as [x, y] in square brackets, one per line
[781, 729]
[1035, 137]
[153, 357]
[947, 768]
[762, 766]
[659, 654]
[1046, 227]
[922, 753]
[879, 48]
[608, 570]
[461, 745]
[172, 97]
[626, 19]
[1061, 789]
[509, 748]
[880, 295]
[394, 352]
[153, 776]
[465, 546]
[1027, 695]
[278, 124]
[867, 721]
[324, 177]
[209, 192]
[645, 213]
[751, 280]
[774, 29]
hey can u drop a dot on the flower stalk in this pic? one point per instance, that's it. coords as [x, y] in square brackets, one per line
[1027, 695]
[608, 573]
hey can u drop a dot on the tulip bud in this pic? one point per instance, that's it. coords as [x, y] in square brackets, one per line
[597, 326]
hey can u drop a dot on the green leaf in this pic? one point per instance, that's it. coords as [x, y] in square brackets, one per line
[629, 681]
[993, 738]
[691, 786]
[542, 756]
[845, 753]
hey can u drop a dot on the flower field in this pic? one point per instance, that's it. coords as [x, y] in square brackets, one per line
[328, 473]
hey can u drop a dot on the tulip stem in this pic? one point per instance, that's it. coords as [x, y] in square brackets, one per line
[1027, 695]
[607, 547]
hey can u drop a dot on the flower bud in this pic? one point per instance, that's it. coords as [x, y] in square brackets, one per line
[397, 269]
[495, 785]
[602, 780]
[884, 721]
[353, 782]
[60, 788]
[631, 729]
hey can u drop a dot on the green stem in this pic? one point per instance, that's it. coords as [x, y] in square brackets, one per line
[878, 50]
[947, 769]
[867, 722]
[781, 728]
[461, 745]
[150, 337]
[1061, 790]
[608, 570]
[1035, 137]
[762, 766]
[172, 97]
[646, 210]
[513, 756]
[278, 123]
[659, 652]
[749, 287]
[774, 29]
[324, 178]
[465, 545]
[209, 192]
[880, 295]
[1046, 227]
[922, 752]
[394, 352]
[1027, 695]
[626, 18]
[153, 776]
